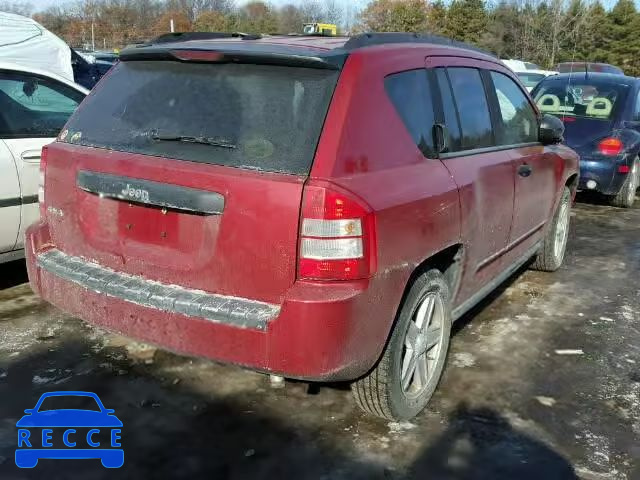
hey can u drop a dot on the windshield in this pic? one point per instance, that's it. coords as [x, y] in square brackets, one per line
[269, 116]
[69, 402]
[580, 98]
[530, 80]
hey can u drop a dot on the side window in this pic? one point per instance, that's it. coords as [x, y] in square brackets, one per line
[473, 110]
[32, 106]
[450, 113]
[409, 92]
[519, 120]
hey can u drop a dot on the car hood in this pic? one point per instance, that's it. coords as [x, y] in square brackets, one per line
[69, 418]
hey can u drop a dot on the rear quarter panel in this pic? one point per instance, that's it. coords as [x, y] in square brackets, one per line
[366, 149]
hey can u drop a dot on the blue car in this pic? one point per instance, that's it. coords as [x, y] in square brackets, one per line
[601, 113]
[42, 424]
[85, 73]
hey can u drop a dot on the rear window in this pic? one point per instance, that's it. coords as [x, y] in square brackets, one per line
[591, 67]
[592, 99]
[258, 117]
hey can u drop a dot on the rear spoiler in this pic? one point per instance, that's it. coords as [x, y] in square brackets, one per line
[230, 53]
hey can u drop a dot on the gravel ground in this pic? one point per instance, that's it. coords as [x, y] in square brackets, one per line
[543, 382]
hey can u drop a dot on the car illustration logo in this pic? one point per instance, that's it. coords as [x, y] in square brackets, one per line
[87, 431]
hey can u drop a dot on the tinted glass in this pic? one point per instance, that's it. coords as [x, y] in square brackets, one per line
[577, 67]
[473, 110]
[519, 120]
[450, 115]
[259, 117]
[591, 98]
[33, 106]
[409, 92]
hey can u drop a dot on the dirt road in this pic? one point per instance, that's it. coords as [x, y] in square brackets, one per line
[543, 383]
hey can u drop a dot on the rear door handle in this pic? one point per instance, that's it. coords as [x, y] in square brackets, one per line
[525, 170]
[31, 156]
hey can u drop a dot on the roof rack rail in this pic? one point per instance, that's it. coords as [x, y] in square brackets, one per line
[370, 39]
[186, 36]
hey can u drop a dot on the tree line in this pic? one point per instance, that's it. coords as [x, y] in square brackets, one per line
[541, 31]
[545, 32]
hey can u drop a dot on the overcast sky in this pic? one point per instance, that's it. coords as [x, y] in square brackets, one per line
[42, 4]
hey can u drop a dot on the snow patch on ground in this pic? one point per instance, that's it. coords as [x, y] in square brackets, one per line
[399, 427]
[463, 360]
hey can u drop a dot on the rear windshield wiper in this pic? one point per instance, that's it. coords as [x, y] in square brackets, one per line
[214, 142]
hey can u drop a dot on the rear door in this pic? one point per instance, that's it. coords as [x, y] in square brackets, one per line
[10, 203]
[33, 110]
[536, 168]
[483, 173]
[190, 173]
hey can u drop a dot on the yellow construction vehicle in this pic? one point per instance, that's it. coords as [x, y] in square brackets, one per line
[320, 29]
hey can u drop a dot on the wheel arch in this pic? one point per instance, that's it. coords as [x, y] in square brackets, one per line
[572, 183]
[449, 261]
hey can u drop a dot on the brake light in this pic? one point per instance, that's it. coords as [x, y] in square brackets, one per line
[624, 169]
[197, 55]
[610, 146]
[337, 235]
[41, 179]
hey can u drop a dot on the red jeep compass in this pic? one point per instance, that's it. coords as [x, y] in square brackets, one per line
[316, 208]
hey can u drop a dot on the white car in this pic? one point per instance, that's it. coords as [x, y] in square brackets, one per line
[34, 106]
[529, 73]
[531, 78]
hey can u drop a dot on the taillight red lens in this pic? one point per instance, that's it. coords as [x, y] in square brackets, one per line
[610, 146]
[41, 179]
[197, 55]
[337, 235]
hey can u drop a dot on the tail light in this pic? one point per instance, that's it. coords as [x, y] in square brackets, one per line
[337, 235]
[41, 178]
[624, 169]
[610, 146]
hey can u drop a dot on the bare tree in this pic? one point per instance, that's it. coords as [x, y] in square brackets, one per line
[333, 12]
[312, 11]
[290, 19]
[21, 8]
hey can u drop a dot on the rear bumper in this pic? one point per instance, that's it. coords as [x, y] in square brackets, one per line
[604, 172]
[321, 331]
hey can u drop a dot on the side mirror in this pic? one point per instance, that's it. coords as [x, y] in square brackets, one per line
[551, 130]
[29, 411]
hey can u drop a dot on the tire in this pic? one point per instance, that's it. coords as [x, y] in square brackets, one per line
[381, 392]
[554, 246]
[627, 194]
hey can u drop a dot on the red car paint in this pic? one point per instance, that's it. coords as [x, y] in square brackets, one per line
[325, 329]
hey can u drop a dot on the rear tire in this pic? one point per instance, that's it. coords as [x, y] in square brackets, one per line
[627, 194]
[554, 246]
[406, 376]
